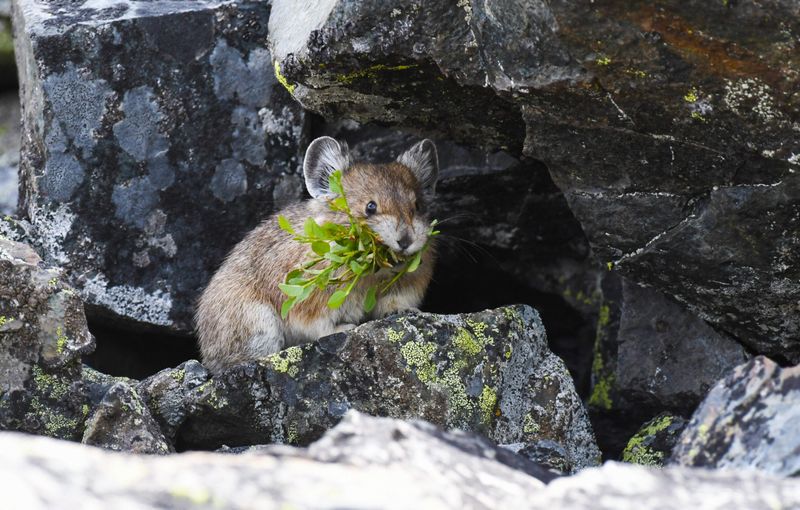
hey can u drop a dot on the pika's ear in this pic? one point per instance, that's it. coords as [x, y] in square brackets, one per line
[323, 157]
[424, 162]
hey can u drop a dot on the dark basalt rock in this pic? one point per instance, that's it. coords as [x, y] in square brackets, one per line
[669, 128]
[653, 355]
[751, 419]
[653, 443]
[121, 421]
[155, 135]
[488, 372]
[43, 334]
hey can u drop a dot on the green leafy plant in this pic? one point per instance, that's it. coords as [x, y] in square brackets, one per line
[341, 255]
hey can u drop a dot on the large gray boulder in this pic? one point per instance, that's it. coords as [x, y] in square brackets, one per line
[43, 335]
[489, 372]
[362, 463]
[670, 129]
[654, 355]
[751, 419]
[155, 135]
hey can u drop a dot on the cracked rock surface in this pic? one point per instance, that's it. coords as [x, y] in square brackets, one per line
[488, 372]
[155, 134]
[43, 334]
[671, 129]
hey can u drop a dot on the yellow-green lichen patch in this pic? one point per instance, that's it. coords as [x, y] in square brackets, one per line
[85, 410]
[610, 266]
[292, 437]
[603, 60]
[467, 343]
[282, 79]
[49, 385]
[529, 425]
[691, 96]
[286, 361]
[698, 116]
[488, 405]
[211, 396]
[178, 375]
[509, 352]
[394, 335]
[478, 330]
[418, 358]
[637, 452]
[371, 72]
[601, 393]
[61, 340]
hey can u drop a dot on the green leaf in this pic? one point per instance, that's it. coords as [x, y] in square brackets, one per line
[335, 182]
[334, 258]
[320, 247]
[370, 300]
[306, 293]
[286, 306]
[313, 230]
[337, 299]
[414, 263]
[356, 267]
[290, 290]
[284, 224]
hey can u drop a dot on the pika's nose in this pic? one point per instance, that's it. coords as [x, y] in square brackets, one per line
[404, 242]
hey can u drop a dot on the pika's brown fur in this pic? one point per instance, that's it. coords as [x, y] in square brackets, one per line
[238, 315]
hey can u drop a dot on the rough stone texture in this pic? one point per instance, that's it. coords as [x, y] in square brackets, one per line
[652, 354]
[154, 136]
[751, 419]
[671, 128]
[363, 463]
[122, 422]
[169, 393]
[488, 372]
[653, 443]
[43, 334]
[9, 151]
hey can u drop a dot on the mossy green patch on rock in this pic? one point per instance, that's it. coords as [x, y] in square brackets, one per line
[488, 405]
[286, 361]
[282, 79]
[639, 451]
[418, 358]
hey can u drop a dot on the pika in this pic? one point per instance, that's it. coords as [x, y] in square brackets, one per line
[238, 315]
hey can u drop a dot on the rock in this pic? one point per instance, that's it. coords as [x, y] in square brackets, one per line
[363, 463]
[653, 355]
[169, 393]
[9, 152]
[669, 129]
[653, 443]
[122, 422]
[154, 136]
[488, 372]
[43, 334]
[751, 419]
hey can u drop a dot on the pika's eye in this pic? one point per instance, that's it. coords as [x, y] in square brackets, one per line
[372, 208]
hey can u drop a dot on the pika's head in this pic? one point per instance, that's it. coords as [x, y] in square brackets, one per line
[392, 198]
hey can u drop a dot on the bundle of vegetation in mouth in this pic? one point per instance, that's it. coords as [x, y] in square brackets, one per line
[341, 255]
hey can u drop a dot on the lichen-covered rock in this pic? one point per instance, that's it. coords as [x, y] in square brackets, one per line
[122, 422]
[43, 334]
[155, 134]
[169, 393]
[751, 419]
[651, 354]
[669, 128]
[489, 372]
[363, 463]
[653, 443]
